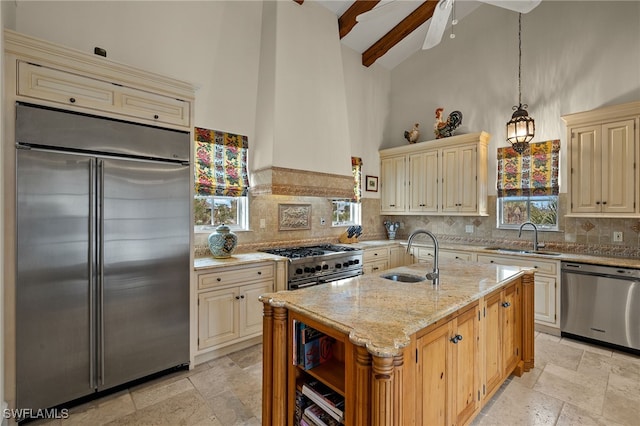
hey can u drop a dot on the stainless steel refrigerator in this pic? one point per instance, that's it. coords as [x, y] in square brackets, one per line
[102, 285]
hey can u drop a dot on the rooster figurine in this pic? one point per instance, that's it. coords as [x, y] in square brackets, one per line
[413, 135]
[444, 129]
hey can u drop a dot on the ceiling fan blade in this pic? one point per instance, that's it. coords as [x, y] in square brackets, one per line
[521, 6]
[438, 24]
[377, 12]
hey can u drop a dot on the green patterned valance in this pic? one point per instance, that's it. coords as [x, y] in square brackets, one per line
[220, 163]
[535, 172]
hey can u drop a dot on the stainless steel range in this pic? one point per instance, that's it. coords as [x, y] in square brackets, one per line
[313, 265]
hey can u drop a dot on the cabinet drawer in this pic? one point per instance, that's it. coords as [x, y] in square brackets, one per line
[544, 267]
[62, 87]
[154, 107]
[375, 267]
[445, 254]
[376, 254]
[235, 276]
[70, 89]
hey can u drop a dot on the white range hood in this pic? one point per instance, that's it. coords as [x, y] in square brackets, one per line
[302, 134]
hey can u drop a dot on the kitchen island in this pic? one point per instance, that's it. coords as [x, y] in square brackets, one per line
[403, 353]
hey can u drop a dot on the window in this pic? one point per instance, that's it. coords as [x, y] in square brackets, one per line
[528, 186]
[221, 181]
[210, 212]
[347, 212]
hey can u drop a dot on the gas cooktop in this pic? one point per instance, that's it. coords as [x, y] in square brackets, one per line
[309, 251]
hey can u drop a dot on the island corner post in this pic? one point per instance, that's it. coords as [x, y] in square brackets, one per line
[375, 384]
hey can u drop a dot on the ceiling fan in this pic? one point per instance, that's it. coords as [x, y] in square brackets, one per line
[443, 11]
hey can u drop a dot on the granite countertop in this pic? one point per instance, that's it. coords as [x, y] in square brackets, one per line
[382, 314]
[236, 259]
[623, 262]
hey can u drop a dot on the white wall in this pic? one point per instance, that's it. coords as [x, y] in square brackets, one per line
[576, 56]
[212, 44]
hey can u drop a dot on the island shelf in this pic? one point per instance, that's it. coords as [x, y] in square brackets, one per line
[403, 353]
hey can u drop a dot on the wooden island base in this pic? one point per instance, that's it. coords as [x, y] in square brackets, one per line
[444, 375]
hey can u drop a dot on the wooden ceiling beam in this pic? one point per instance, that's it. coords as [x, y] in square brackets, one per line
[347, 21]
[399, 32]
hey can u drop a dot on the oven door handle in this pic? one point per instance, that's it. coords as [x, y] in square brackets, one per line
[303, 285]
[341, 276]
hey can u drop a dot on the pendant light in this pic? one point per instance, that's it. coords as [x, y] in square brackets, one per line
[521, 128]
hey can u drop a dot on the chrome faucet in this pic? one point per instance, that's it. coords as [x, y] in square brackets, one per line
[434, 276]
[536, 245]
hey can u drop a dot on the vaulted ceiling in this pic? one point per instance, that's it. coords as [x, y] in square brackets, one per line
[391, 36]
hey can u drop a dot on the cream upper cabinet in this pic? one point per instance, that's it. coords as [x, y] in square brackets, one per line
[392, 182]
[423, 181]
[444, 176]
[602, 157]
[459, 174]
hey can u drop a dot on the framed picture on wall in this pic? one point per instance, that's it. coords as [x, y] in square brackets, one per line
[372, 183]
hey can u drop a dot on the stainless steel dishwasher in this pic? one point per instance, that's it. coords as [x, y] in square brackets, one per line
[601, 303]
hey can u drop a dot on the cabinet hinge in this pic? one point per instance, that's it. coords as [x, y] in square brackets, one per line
[478, 315]
[517, 351]
[484, 390]
[484, 311]
[416, 356]
[478, 394]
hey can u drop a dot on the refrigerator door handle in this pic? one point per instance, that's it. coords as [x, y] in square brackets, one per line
[100, 223]
[92, 276]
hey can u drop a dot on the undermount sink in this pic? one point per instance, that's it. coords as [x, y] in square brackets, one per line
[405, 278]
[511, 250]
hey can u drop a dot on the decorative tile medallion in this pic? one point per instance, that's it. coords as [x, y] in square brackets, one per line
[477, 222]
[636, 227]
[450, 221]
[587, 226]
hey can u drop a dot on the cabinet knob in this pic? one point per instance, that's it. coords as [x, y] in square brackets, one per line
[604, 202]
[597, 202]
[259, 272]
[237, 297]
[455, 339]
[156, 116]
[72, 100]
[242, 297]
[506, 304]
[218, 279]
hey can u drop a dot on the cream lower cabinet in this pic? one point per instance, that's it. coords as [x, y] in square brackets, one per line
[228, 309]
[375, 260]
[425, 254]
[602, 160]
[546, 288]
[382, 258]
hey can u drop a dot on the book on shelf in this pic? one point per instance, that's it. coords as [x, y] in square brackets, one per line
[311, 346]
[325, 397]
[301, 403]
[319, 417]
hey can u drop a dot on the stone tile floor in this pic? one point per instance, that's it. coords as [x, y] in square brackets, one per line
[573, 383]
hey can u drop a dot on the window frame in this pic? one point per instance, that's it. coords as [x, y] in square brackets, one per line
[354, 207]
[529, 200]
[242, 217]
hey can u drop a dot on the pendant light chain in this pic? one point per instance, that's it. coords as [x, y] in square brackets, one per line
[521, 127]
[519, 59]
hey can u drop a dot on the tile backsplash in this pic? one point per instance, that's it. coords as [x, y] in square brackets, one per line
[576, 235]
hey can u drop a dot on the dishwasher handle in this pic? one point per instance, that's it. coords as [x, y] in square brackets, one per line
[589, 269]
